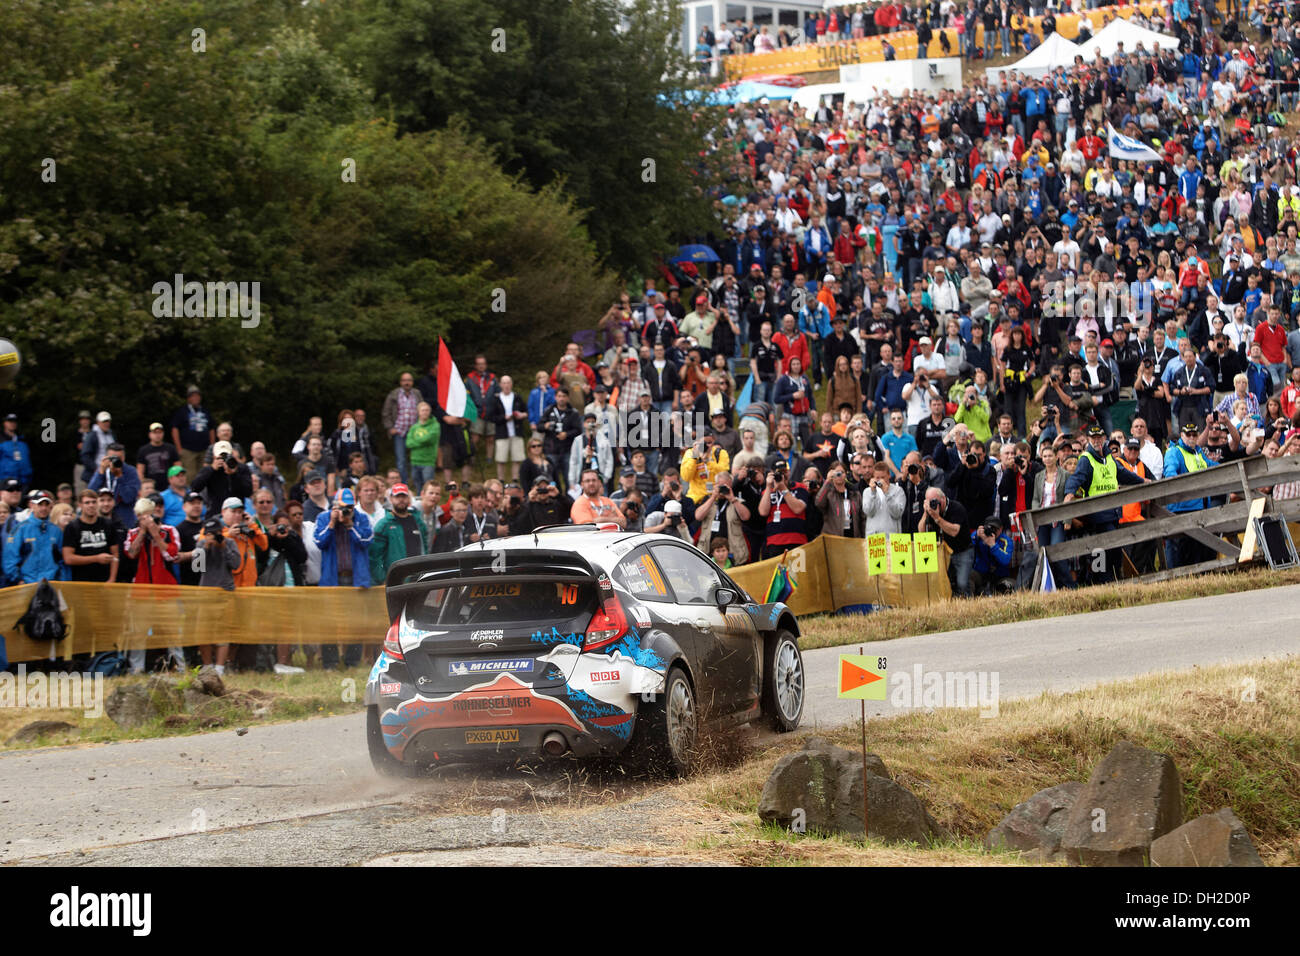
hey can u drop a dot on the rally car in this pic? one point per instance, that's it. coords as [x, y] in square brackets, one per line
[575, 639]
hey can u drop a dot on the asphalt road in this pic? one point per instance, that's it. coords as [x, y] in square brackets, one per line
[304, 792]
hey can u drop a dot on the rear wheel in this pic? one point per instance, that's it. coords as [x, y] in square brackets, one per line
[783, 682]
[668, 726]
[380, 757]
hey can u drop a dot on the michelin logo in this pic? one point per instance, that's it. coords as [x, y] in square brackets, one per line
[466, 668]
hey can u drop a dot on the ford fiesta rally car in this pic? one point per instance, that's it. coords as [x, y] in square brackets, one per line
[573, 640]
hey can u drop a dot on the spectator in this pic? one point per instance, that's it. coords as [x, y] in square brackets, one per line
[721, 517]
[154, 546]
[15, 456]
[343, 535]
[122, 482]
[96, 445]
[883, 502]
[399, 534]
[34, 551]
[224, 478]
[192, 431]
[591, 505]
[90, 547]
[399, 413]
[505, 409]
[782, 506]
[155, 458]
[949, 519]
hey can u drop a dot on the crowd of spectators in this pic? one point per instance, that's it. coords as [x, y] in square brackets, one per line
[943, 310]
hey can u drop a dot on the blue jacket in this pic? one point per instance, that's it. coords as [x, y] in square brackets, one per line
[33, 551]
[538, 399]
[125, 492]
[1260, 381]
[1176, 465]
[815, 318]
[889, 391]
[16, 461]
[361, 536]
[996, 559]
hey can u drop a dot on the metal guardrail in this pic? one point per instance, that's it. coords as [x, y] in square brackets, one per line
[1245, 478]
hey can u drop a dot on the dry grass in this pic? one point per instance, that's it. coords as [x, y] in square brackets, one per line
[315, 693]
[833, 631]
[970, 771]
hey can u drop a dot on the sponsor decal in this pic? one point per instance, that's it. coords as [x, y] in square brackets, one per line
[497, 706]
[424, 680]
[468, 668]
[488, 634]
[493, 590]
[641, 614]
[388, 690]
[598, 676]
[503, 735]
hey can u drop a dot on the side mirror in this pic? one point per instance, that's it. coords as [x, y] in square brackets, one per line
[725, 596]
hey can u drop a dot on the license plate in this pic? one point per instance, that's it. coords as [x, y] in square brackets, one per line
[503, 736]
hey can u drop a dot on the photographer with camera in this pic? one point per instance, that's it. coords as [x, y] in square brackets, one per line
[973, 412]
[1096, 474]
[670, 489]
[952, 523]
[722, 514]
[224, 478]
[883, 502]
[545, 505]
[343, 535]
[701, 465]
[121, 482]
[973, 483]
[1015, 483]
[782, 506]
[591, 450]
[840, 503]
[993, 550]
[560, 426]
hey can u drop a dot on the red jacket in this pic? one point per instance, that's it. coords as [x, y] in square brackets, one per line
[794, 347]
[155, 565]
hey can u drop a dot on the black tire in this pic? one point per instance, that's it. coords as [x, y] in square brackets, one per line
[667, 728]
[784, 692]
[384, 762]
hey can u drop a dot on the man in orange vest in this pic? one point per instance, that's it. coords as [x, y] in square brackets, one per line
[1142, 554]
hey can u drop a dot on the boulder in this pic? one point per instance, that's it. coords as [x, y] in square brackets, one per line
[825, 782]
[1037, 825]
[1133, 798]
[39, 728]
[131, 706]
[1215, 839]
[208, 681]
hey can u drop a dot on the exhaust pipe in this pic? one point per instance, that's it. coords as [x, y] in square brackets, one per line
[554, 744]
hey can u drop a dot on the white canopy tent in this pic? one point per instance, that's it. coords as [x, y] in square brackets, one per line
[1055, 51]
[1130, 34]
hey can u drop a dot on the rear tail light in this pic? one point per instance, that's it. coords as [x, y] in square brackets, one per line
[393, 647]
[609, 623]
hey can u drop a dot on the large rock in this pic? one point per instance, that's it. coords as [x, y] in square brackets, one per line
[208, 681]
[133, 705]
[825, 783]
[1215, 839]
[1132, 799]
[1037, 825]
[39, 728]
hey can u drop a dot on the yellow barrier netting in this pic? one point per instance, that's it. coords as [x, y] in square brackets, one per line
[106, 617]
[819, 57]
[832, 573]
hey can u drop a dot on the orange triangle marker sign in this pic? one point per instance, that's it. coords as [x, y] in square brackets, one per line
[852, 676]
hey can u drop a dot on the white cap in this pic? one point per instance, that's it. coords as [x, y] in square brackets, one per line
[233, 502]
[103, 417]
[222, 448]
[672, 507]
[144, 506]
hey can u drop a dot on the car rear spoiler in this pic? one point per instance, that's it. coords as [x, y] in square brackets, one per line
[415, 576]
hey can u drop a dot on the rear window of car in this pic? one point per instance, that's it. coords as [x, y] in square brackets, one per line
[494, 603]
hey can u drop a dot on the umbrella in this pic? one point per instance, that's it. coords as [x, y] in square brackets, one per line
[695, 253]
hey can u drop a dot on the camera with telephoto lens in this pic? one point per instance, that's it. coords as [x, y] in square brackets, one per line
[214, 529]
[632, 509]
[346, 512]
[674, 487]
[971, 460]
[674, 520]
[913, 469]
[282, 529]
[115, 462]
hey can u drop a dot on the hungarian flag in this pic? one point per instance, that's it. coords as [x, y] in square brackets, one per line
[782, 584]
[451, 387]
